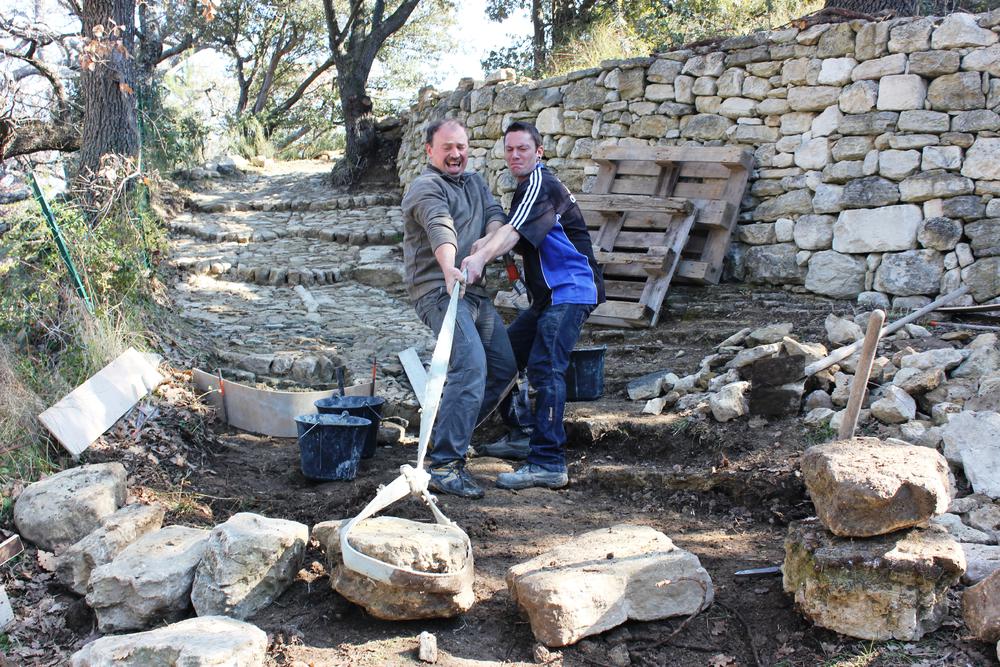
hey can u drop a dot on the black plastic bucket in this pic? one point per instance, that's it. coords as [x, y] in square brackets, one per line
[368, 407]
[585, 374]
[330, 446]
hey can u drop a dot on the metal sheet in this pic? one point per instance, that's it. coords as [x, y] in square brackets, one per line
[265, 411]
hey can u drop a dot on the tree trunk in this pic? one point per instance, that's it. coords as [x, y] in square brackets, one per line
[359, 126]
[109, 115]
[538, 37]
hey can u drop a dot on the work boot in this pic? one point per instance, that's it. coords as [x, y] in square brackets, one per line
[530, 475]
[452, 478]
[512, 445]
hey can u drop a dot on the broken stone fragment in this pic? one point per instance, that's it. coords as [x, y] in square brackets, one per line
[772, 333]
[863, 487]
[61, 510]
[781, 401]
[981, 608]
[987, 398]
[603, 578]
[921, 433]
[651, 385]
[982, 560]
[916, 381]
[818, 417]
[116, 532]
[982, 361]
[424, 547]
[842, 331]
[729, 402]
[946, 358]
[428, 651]
[811, 351]
[975, 438]
[149, 582]
[985, 517]
[888, 587]
[748, 356]
[248, 562]
[961, 532]
[895, 406]
[736, 339]
[207, 641]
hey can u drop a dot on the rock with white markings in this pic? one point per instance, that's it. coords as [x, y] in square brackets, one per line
[730, 401]
[975, 437]
[895, 406]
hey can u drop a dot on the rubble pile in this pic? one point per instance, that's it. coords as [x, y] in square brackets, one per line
[136, 574]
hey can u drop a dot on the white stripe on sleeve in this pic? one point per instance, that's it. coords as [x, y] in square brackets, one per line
[531, 194]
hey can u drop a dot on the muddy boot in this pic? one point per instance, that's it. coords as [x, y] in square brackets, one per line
[452, 478]
[513, 445]
[531, 475]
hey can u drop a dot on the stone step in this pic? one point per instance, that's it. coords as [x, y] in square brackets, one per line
[291, 260]
[372, 226]
[209, 202]
[263, 333]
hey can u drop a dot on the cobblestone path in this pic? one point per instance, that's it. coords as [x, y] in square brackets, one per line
[290, 280]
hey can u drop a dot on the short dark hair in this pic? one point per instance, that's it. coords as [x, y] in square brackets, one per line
[521, 126]
[438, 124]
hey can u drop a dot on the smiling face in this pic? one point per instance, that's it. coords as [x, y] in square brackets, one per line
[449, 149]
[521, 154]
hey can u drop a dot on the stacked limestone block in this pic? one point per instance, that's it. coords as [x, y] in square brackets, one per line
[877, 168]
[869, 566]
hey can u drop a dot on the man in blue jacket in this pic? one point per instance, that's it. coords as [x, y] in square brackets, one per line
[564, 283]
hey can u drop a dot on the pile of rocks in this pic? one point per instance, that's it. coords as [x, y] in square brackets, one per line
[136, 574]
[869, 566]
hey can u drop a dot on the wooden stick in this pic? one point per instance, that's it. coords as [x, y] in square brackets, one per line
[850, 422]
[848, 350]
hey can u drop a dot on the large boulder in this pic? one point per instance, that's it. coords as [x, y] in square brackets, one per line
[863, 487]
[602, 578]
[981, 608]
[149, 582]
[62, 509]
[116, 532]
[975, 438]
[423, 547]
[888, 587]
[209, 641]
[249, 561]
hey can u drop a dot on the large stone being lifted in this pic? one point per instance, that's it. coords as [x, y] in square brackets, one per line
[424, 547]
[888, 587]
[605, 577]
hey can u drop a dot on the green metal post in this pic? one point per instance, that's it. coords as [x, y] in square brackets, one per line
[50, 219]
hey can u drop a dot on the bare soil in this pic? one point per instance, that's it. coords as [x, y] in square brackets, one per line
[725, 492]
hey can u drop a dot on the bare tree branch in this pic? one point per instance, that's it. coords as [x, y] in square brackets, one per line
[285, 106]
[34, 136]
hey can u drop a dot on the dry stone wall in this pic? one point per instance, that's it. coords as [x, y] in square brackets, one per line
[876, 146]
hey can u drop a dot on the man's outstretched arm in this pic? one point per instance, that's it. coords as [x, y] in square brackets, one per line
[499, 242]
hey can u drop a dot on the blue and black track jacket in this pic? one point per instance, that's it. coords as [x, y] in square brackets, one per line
[559, 264]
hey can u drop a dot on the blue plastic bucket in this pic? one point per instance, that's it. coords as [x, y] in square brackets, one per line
[585, 374]
[330, 446]
[368, 407]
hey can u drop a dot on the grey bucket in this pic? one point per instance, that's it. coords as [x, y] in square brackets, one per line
[330, 446]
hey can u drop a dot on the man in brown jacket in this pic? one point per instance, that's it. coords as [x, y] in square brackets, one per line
[445, 211]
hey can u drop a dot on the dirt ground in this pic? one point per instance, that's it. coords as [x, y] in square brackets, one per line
[722, 491]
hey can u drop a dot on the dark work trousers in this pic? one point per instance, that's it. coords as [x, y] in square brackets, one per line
[542, 342]
[480, 370]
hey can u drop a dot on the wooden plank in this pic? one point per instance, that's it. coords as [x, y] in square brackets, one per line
[656, 290]
[638, 168]
[415, 372]
[715, 213]
[641, 240]
[608, 321]
[639, 203]
[93, 407]
[638, 185]
[709, 190]
[634, 312]
[668, 177]
[693, 271]
[721, 154]
[624, 290]
[705, 170]
[265, 411]
[605, 175]
[649, 263]
[11, 547]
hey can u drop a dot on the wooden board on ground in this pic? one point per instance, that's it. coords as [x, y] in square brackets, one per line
[264, 411]
[415, 372]
[93, 407]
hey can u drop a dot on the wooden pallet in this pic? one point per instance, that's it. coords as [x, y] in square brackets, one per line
[678, 204]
